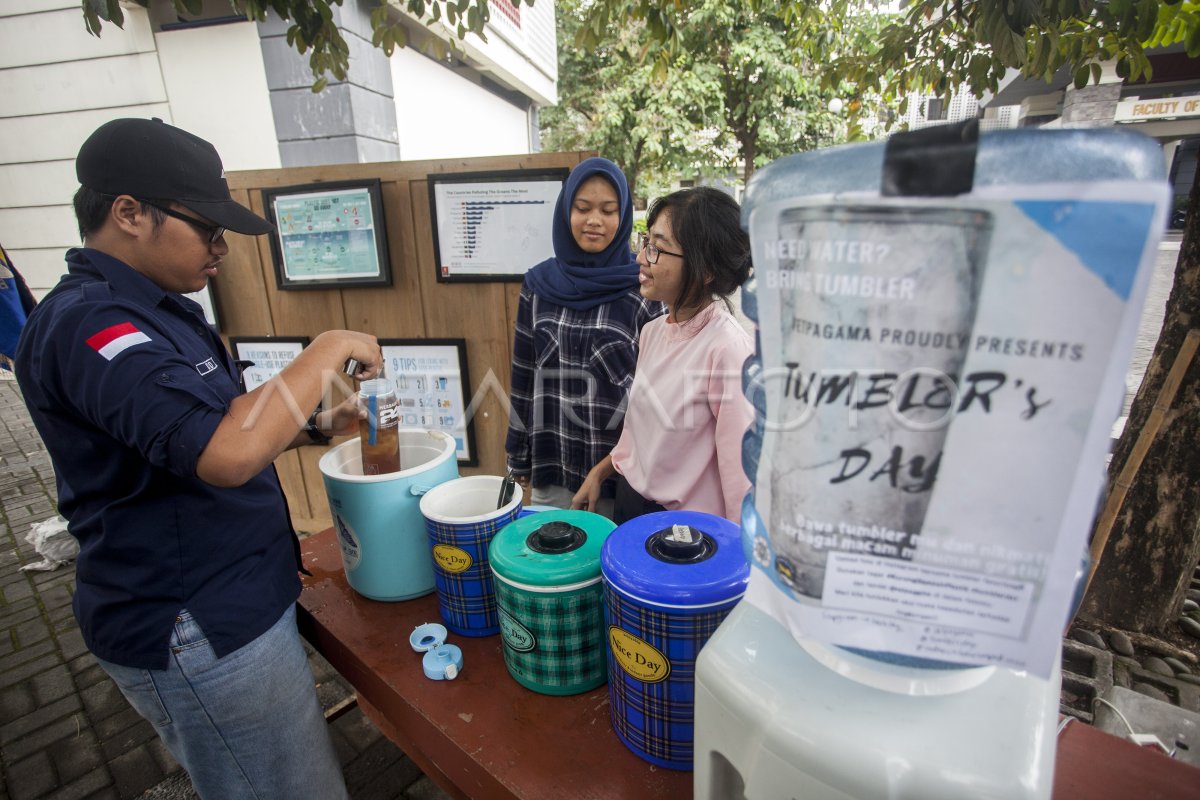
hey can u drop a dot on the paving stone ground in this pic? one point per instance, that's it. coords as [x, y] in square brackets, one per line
[66, 732]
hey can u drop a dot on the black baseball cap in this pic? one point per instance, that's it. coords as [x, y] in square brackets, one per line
[151, 160]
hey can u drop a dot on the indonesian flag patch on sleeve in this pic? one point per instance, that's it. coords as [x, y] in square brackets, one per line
[116, 339]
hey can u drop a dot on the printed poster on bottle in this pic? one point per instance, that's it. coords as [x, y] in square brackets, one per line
[941, 376]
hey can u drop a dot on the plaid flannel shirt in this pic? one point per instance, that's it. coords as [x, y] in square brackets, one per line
[571, 375]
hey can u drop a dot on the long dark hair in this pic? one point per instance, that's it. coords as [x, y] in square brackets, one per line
[707, 224]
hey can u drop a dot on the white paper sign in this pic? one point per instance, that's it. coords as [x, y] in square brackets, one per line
[941, 377]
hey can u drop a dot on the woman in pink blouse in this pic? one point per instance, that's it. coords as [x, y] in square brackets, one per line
[681, 448]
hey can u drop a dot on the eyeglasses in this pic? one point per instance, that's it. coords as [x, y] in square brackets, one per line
[213, 232]
[652, 252]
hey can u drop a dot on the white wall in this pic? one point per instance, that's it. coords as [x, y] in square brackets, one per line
[525, 57]
[217, 86]
[442, 115]
[58, 84]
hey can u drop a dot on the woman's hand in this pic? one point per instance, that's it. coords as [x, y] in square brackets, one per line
[589, 493]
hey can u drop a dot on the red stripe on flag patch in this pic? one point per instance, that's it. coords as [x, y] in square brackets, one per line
[98, 340]
[112, 340]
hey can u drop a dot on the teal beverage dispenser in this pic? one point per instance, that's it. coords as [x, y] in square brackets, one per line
[944, 321]
[551, 604]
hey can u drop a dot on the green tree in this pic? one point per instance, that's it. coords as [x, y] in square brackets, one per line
[614, 102]
[746, 73]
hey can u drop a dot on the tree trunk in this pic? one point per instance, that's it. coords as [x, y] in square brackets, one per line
[633, 171]
[749, 142]
[1154, 544]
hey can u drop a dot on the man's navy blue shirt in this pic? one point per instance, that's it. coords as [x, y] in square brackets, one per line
[126, 384]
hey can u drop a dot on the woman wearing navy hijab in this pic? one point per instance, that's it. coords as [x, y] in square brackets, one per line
[575, 345]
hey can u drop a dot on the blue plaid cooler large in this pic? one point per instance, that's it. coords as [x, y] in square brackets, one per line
[670, 578]
[461, 518]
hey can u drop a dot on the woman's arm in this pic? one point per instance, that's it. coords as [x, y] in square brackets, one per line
[589, 493]
[523, 365]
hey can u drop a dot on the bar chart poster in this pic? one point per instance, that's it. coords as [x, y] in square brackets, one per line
[493, 226]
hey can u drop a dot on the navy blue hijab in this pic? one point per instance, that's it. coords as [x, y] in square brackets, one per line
[581, 280]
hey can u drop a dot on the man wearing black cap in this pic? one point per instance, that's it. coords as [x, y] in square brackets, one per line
[186, 576]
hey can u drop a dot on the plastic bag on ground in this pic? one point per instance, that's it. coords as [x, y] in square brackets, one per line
[53, 544]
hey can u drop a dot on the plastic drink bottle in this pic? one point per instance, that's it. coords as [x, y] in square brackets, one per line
[379, 431]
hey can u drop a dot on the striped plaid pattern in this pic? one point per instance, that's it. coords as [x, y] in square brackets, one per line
[467, 599]
[569, 653]
[654, 720]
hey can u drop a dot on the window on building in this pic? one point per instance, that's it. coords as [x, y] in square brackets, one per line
[509, 11]
[935, 108]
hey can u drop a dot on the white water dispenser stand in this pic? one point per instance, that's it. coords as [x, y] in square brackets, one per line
[776, 719]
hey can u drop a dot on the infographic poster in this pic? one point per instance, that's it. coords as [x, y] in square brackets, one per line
[493, 226]
[431, 383]
[328, 235]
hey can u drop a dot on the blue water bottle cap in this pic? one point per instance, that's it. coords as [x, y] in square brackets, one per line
[427, 637]
[442, 663]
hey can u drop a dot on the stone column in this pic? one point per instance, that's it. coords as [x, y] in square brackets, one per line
[1093, 106]
[349, 122]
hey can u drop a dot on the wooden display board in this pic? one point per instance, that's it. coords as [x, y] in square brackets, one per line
[415, 306]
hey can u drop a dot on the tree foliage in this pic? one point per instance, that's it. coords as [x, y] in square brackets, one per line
[724, 83]
[937, 44]
[313, 28]
[614, 102]
[941, 44]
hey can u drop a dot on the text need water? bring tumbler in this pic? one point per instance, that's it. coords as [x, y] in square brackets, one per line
[551, 603]
[670, 578]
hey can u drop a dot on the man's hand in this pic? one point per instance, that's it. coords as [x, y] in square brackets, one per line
[341, 420]
[362, 347]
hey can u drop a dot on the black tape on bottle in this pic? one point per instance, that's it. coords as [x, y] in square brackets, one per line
[931, 162]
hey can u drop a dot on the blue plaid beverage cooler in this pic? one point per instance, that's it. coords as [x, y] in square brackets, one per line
[547, 570]
[670, 578]
[461, 519]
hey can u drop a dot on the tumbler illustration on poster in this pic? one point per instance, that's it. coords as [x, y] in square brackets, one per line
[880, 302]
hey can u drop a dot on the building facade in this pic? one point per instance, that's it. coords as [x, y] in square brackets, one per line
[241, 86]
[1165, 107]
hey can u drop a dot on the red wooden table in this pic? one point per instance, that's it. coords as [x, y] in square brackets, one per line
[483, 735]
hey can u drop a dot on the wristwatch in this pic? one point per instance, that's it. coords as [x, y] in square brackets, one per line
[314, 433]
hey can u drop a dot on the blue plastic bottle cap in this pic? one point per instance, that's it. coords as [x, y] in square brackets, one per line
[427, 637]
[443, 663]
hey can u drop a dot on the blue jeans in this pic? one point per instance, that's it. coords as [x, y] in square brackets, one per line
[248, 725]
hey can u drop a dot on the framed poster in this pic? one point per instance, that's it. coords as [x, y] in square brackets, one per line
[265, 356]
[492, 226]
[328, 235]
[431, 382]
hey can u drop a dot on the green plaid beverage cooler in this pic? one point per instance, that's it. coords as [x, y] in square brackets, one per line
[550, 601]
[670, 579]
[461, 520]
